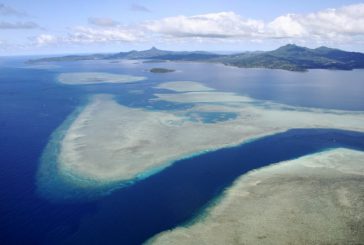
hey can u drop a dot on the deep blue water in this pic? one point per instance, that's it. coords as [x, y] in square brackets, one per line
[32, 106]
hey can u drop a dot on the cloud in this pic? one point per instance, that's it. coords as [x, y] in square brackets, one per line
[18, 25]
[285, 27]
[94, 35]
[88, 35]
[105, 22]
[330, 23]
[9, 11]
[341, 24]
[330, 26]
[139, 8]
[46, 39]
[214, 25]
[4, 45]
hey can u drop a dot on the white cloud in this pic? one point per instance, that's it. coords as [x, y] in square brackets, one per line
[347, 20]
[340, 24]
[18, 25]
[330, 23]
[139, 8]
[214, 25]
[88, 35]
[331, 26]
[94, 35]
[9, 11]
[45, 39]
[285, 27]
[105, 22]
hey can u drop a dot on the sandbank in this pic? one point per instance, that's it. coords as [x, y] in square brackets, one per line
[184, 86]
[79, 78]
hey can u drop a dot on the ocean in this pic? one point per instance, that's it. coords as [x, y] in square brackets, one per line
[33, 105]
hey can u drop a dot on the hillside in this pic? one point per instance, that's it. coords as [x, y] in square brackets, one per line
[296, 58]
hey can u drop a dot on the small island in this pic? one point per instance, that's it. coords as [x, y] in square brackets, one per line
[161, 70]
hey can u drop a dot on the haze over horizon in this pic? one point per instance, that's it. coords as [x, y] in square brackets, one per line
[60, 27]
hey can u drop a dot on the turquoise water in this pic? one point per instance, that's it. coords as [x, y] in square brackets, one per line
[33, 105]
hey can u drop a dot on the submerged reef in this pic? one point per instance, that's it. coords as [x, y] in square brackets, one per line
[79, 78]
[184, 86]
[315, 199]
[108, 144]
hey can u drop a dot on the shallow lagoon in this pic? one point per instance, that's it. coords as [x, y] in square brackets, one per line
[133, 214]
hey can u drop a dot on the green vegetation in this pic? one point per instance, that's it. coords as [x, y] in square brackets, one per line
[294, 58]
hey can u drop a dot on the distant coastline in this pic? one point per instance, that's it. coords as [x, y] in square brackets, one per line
[289, 57]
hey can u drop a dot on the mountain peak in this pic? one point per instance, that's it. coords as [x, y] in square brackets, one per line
[290, 45]
[323, 47]
[289, 48]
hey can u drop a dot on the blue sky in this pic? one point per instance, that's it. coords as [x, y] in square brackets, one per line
[46, 27]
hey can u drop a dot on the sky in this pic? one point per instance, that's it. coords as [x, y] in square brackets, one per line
[94, 26]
